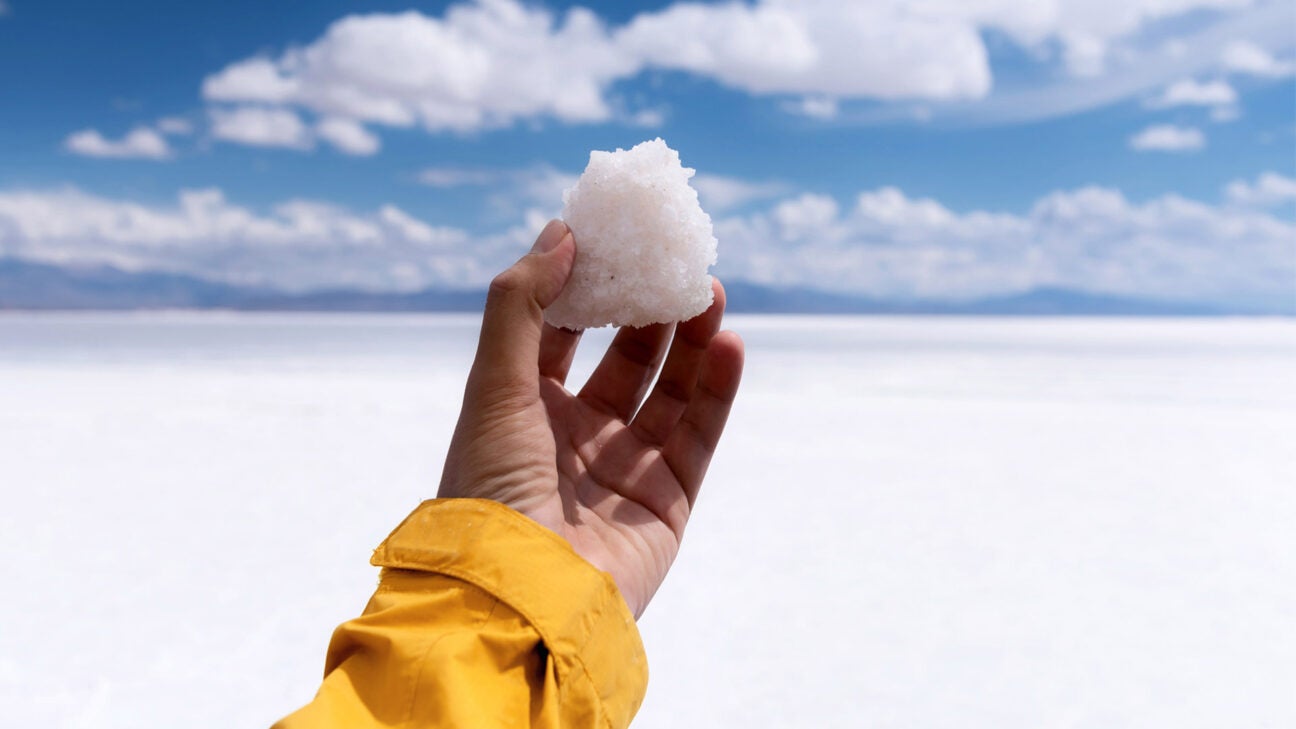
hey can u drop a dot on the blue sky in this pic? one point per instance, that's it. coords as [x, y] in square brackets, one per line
[930, 148]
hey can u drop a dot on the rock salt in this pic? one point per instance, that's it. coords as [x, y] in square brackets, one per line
[643, 243]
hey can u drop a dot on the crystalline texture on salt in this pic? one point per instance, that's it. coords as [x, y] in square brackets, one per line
[643, 243]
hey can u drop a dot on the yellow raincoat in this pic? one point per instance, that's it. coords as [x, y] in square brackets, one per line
[482, 618]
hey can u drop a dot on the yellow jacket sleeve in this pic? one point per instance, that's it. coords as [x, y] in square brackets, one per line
[482, 618]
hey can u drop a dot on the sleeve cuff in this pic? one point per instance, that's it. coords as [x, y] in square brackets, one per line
[577, 610]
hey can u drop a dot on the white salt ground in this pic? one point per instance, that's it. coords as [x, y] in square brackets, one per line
[643, 243]
[911, 523]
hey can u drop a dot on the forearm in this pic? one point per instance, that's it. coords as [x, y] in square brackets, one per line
[482, 617]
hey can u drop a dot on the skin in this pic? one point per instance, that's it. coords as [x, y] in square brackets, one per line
[613, 473]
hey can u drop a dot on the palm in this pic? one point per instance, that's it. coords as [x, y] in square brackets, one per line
[615, 479]
[622, 508]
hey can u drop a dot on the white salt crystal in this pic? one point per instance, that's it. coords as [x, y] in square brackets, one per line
[643, 243]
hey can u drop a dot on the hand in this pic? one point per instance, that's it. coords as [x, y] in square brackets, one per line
[616, 480]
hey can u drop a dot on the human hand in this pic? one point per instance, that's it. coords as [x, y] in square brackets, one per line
[616, 480]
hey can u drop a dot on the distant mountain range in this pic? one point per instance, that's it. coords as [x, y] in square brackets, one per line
[38, 286]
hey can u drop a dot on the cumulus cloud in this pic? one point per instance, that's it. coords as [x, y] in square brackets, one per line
[928, 49]
[414, 230]
[254, 79]
[483, 64]
[297, 244]
[719, 193]
[808, 212]
[261, 127]
[1246, 57]
[348, 136]
[1269, 189]
[536, 190]
[491, 63]
[878, 50]
[139, 143]
[1168, 138]
[1188, 92]
[887, 244]
[881, 243]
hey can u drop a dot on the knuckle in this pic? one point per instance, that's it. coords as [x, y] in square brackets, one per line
[507, 284]
[677, 390]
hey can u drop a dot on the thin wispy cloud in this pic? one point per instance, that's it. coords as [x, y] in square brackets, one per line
[175, 125]
[1268, 190]
[537, 189]
[451, 177]
[719, 193]
[1168, 138]
[1247, 57]
[1137, 70]
[1189, 92]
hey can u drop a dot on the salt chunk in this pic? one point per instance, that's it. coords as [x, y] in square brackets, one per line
[643, 243]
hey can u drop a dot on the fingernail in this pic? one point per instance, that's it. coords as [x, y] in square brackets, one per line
[550, 237]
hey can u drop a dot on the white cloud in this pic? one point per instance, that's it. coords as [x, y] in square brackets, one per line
[539, 188]
[542, 186]
[889, 49]
[4, 8]
[448, 177]
[718, 193]
[881, 243]
[1136, 65]
[1246, 57]
[816, 47]
[647, 118]
[1087, 31]
[491, 63]
[1269, 189]
[254, 79]
[176, 125]
[1225, 114]
[808, 212]
[1168, 138]
[1188, 92]
[415, 230]
[1085, 54]
[888, 244]
[484, 64]
[815, 107]
[297, 244]
[139, 143]
[261, 127]
[348, 136]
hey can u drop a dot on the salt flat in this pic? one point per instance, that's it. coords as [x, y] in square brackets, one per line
[913, 522]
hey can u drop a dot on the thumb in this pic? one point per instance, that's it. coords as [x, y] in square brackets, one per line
[509, 349]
